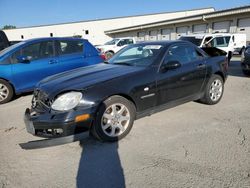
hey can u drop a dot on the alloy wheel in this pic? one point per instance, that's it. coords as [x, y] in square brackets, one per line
[4, 92]
[216, 90]
[115, 120]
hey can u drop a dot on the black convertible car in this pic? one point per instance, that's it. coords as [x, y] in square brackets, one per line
[139, 80]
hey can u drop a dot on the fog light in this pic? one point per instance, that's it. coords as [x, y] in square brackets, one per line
[83, 117]
[58, 131]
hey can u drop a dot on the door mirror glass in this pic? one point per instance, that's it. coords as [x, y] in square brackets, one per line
[23, 59]
[170, 65]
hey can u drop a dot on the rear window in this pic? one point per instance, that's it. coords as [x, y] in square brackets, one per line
[194, 40]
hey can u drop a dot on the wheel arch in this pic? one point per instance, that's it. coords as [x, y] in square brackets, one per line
[110, 51]
[126, 96]
[220, 74]
[12, 85]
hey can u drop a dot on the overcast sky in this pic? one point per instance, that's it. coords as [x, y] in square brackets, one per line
[39, 12]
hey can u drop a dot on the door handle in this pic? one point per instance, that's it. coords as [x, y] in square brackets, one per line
[53, 61]
[201, 66]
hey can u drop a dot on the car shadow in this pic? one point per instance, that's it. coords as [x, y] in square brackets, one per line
[234, 69]
[100, 165]
[22, 95]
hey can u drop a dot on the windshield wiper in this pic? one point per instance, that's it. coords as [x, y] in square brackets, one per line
[123, 63]
[106, 62]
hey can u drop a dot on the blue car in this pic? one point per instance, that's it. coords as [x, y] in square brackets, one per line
[24, 64]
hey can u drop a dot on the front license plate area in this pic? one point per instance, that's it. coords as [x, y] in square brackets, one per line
[29, 124]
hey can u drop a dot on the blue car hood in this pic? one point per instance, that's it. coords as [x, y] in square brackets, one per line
[82, 78]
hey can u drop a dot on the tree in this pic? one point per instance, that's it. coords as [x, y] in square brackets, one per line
[9, 27]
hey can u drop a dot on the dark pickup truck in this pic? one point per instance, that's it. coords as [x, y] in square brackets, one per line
[4, 42]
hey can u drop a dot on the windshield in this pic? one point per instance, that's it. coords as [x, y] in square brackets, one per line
[137, 55]
[194, 40]
[6, 50]
[112, 42]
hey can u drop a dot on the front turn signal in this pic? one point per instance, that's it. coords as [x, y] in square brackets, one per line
[83, 117]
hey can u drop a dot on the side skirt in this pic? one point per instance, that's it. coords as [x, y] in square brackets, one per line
[171, 104]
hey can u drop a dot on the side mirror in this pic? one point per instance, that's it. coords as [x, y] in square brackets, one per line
[23, 59]
[170, 65]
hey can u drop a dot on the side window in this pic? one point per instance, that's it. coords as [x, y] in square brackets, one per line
[121, 42]
[220, 41]
[46, 49]
[183, 54]
[70, 47]
[14, 56]
[130, 41]
[31, 51]
[228, 39]
[35, 51]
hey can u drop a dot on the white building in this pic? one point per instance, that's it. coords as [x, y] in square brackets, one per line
[94, 30]
[161, 26]
[234, 20]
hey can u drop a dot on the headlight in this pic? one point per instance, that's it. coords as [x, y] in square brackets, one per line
[67, 101]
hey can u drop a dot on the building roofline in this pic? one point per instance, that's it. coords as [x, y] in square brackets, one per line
[176, 20]
[113, 18]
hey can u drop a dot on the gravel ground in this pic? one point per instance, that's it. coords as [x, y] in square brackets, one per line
[192, 145]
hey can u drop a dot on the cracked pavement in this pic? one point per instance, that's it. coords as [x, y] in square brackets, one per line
[192, 145]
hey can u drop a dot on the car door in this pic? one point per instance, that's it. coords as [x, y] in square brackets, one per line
[123, 43]
[183, 81]
[70, 54]
[38, 64]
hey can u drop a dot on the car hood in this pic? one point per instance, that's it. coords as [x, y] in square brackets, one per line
[82, 78]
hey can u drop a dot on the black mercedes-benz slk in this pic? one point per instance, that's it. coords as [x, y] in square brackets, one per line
[139, 80]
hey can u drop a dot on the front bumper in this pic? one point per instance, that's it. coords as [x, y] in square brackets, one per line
[52, 125]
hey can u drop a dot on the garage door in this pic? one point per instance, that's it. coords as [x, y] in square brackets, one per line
[244, 27]
[221, 26]
[153, 35]
[166, 34]
[141, 36]
[201, 28]
[181, 31]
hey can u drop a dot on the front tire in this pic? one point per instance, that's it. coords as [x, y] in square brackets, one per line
[6, 91]
[114, 119]
[214, 90]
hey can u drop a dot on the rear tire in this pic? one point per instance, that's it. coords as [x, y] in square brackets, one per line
[6, 91]
[246, 72]
[109, 54]
[114, 119]
[229, 57]
[214, 90]
[242, 50]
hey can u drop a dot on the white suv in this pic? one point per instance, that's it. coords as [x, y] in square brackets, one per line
[230, 43]
[113, 46]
